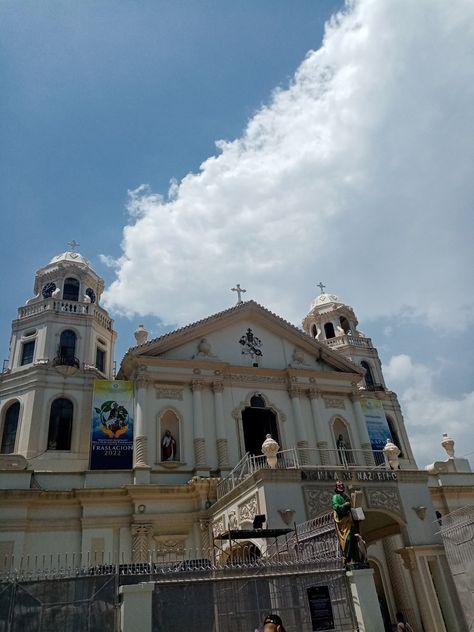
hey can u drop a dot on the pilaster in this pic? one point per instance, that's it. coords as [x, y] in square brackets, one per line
[221, 438]
[362, 429]
[323, 439]
[301, 438]
[401, 582]
[200, 460]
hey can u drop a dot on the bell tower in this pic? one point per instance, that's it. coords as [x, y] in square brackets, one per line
[62, 340]
[334, 323]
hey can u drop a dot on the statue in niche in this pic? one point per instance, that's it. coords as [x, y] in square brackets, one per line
[342, 451]
[168, 447]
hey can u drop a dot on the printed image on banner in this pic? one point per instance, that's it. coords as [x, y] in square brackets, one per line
[376, 422]
[112, 426]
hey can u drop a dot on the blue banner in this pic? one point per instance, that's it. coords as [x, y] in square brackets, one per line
[112, 426]
[376, 421]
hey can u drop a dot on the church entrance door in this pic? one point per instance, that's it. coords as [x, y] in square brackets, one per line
[257, 423]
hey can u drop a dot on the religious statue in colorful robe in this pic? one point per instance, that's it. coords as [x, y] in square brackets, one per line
[341, 504]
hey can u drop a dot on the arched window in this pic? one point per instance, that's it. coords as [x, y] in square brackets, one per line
[71, 289]
[314, 331]
[329, 330]
[369, 378]
[169, 448]
[393, 431]
[9, 429]
[60, 424]
[257, 401]
[345, 455]
[67, 345]
[345, 324]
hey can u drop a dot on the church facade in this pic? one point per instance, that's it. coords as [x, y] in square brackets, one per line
[205, 399]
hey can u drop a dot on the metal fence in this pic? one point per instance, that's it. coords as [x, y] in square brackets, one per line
[304, 458]
[457, 532]
[301, 577]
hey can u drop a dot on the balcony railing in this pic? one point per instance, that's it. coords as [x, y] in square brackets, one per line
[64, 360]
[70, 307]
[305, 459]
[353, 341]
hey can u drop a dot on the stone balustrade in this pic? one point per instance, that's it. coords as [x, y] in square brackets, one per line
[70, 307]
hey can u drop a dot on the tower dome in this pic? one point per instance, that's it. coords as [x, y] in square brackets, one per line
[329, 317]
[334, 323]
[68, 276]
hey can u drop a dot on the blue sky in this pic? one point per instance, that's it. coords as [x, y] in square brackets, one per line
[351, 165]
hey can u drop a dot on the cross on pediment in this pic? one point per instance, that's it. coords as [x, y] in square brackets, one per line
[74, 244]
[323, 287]
[239, 291]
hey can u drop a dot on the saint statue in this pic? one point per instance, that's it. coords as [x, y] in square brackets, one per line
[345, 527]
[168, 447]
[342, 451]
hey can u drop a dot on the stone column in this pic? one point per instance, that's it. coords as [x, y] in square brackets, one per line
[140, 464]
[402, 585]
[204, 528]
[323, 439]
[366, 604]
[199, 439]
[136, 607]
[362, 429]
[427, 601]
[301, 438]
[221, 438]
[141, 542]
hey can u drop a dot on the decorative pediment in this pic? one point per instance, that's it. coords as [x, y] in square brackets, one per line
[244, 335]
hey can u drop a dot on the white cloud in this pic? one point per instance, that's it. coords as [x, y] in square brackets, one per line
[427, 414]
[358, 174]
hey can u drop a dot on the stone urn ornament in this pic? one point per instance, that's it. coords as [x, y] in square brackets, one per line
[270, 449]
[141, 335]
[448, 445]
[392, 452]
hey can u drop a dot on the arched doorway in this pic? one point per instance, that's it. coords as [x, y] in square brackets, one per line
[257, 422]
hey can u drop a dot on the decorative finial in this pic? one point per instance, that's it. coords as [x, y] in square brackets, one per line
[323, 287]
[448, 445]
[141, 335]
[73, 245]
[239, 291]
[270, 449]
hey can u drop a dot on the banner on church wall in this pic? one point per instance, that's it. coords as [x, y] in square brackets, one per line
[376, 422]
[112, 426]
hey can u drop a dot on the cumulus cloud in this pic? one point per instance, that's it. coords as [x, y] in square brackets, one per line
[359, 174]
[427, 414]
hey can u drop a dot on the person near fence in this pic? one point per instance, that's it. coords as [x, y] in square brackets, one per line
[346, 530]
[273, 623]
[402, 625]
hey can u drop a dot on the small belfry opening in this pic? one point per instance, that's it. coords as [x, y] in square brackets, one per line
[369, 378]
[71, 289]
[257, 421]
[329, 330]
[345, 324]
